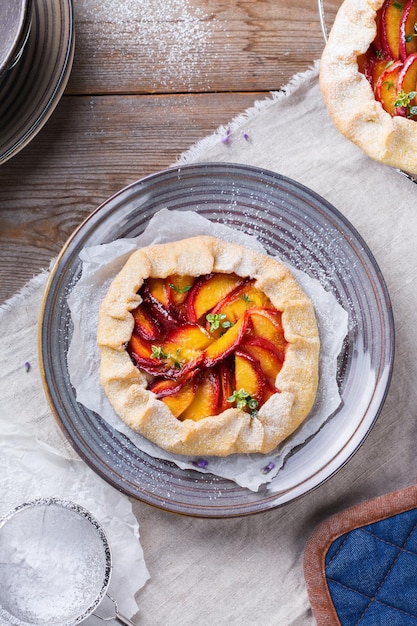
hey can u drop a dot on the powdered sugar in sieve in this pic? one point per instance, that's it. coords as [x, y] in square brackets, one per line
[55, 564]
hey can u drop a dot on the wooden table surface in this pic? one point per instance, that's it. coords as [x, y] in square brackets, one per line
[149, 79]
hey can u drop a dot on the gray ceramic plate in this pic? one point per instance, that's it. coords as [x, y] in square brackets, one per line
[300, 227]
[30, 91]
[15, 19]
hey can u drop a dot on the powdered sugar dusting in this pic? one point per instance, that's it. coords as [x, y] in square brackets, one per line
[173, 36]
[52, 566]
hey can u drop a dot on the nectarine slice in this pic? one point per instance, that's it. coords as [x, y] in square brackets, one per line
[386, 87]
[391, 14]
[226, 374]
[407, 85]
[408, 35]
[178, 402]
[248, 375]
[226, 343]
[187, 343]
[374, 67]
[158, 310]
[270, 360]
[162, 387]
[177, 288]
[189, 336]
[240, 300]
[267, 325]
[206, 399]
[142, 352]
[158, 289]
[145, 325]
[207, 291]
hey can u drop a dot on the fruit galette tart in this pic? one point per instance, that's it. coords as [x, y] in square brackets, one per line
[208, 348]
[368, 78]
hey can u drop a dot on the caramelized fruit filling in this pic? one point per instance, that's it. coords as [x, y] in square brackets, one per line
[207, 343]
[390, 64]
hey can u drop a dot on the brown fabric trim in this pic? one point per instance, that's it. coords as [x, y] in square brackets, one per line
[317, 546]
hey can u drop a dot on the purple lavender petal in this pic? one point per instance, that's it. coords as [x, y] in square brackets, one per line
[201, 463]
[268, 468]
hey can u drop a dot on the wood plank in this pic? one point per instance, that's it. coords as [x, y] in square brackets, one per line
[89, 149]
[177, 46]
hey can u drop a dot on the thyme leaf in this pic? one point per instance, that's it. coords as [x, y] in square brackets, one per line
[214, 320]
[179, 289]
[404, 99]
[159, 353]
[244, 400]
[246, 299]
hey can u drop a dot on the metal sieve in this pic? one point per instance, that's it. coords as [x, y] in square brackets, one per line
[55, 565]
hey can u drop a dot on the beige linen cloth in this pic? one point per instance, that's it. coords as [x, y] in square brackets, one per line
[248, 571]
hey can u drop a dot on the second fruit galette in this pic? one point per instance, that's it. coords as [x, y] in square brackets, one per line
[208, 348]
[368, 78]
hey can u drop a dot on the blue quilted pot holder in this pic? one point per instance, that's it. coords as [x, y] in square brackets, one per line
[361, 565]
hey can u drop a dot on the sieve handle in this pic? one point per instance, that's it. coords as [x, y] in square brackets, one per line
[116, 616]
[124, 620]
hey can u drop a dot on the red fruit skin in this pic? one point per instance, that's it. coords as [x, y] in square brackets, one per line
[156, 309]
[261, 381]
[377, 40]
[214, 381]
[390, 28]
[191, 314]
[266, 345]
[204, 287]
[146, 325]
[374, 67]
[408, 19]
[140, 351]
[232, 295]
[407, 81]
[163, 387]
[384, 93]
[210, 358]
[226, 384]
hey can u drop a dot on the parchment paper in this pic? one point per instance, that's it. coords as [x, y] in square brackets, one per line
[100, 265]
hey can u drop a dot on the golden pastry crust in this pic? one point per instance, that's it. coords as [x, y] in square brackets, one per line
[348, 94]
[233, 430]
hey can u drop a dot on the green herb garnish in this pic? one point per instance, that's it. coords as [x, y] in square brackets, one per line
[177, 362]
[246, 299]
[404, 99]
[244, 400]
[159, 353]
[214, 320]
[180, 289]
[389, 84]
